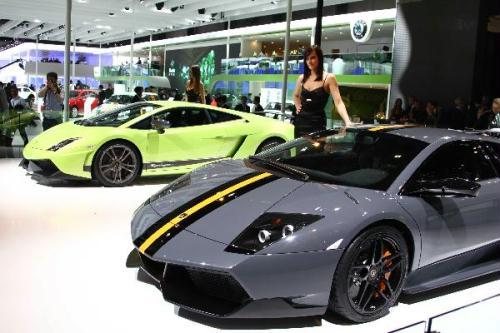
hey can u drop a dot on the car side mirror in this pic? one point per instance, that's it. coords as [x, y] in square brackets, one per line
[447, 187]
[160, 125]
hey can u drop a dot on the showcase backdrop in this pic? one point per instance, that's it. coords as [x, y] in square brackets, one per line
[208, 58]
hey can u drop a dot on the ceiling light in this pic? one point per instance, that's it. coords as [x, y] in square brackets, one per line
[97, 20]
[111, 14]
[127, 10]
[82, 1]
[37, 21]
[159, 5]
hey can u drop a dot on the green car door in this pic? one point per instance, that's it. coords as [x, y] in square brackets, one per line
[188, 140]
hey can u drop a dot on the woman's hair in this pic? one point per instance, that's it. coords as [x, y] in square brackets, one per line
[319, 71]
[195, 78]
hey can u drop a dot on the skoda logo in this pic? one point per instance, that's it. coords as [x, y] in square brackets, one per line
[359, 29]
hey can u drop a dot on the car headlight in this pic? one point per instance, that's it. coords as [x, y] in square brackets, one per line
[171, 187]
[62, 144]
[268, 229]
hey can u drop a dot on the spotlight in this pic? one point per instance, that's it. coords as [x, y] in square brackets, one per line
[41, 26]
[173, 9]
[160, 5]
[25, 34]
[201, 11]
[21, 65]
[111, 14]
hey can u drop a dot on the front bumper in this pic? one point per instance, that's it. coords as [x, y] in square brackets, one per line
[69, 164]
[198, 275]
[46, 169]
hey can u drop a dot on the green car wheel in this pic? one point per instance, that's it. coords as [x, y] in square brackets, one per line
[116, 164]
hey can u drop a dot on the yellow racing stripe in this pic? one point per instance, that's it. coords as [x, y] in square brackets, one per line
[383, 127]
[173, 222]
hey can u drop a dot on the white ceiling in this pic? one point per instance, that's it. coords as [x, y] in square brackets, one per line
[92, 22]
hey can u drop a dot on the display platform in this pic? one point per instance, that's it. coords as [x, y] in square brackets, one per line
[63, 249]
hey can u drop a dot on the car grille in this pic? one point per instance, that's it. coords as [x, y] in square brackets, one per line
[152, 267]
[208, 291]
[47, 168]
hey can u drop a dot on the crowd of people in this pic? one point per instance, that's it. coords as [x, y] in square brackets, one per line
[479, 115]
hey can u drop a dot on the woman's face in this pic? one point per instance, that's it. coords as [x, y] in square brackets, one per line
[312, 61]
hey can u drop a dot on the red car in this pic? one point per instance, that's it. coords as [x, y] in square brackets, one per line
[77, 101]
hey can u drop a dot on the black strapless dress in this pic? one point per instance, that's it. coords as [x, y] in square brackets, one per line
[192, 96]
[312, 116]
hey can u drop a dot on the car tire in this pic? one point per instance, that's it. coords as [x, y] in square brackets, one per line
[74, 112]
[117, 163]
[268, 144]
[370, 275]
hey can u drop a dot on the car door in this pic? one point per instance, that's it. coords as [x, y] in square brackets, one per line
[189, 139]
[232, 131]
[453, 225]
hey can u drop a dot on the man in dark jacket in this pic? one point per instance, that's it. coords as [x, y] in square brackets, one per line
[491, 118]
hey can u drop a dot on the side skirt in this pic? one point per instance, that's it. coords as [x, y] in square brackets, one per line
[465, 266]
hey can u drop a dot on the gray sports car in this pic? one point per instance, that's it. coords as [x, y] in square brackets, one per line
[339, 220]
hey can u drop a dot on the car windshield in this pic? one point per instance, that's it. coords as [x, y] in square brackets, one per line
[73, 94]
[120, 99]
[356, 157]
[119, 116]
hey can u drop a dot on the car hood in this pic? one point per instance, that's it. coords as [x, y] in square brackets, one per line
[230, 217]
[61, 132]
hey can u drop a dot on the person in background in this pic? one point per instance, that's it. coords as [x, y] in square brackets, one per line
[195, 91]
[138, 95]
[491, 118]
[4, 101]
[243, 105]
[257, 108]
[52, 101]
[431, 110]
[222, 102]
[102, 94]
[397, 112]
[18, 104]
[109, 91]
[312, 91]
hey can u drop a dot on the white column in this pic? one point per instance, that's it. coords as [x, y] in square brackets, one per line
[36, 60]
[131, 62]
[285, 57]
[165, 62]
[227, 44]
[73, 73]
[150, 53]
[67, 49]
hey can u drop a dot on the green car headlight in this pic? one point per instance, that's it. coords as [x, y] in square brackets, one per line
[63, 143]
[268, 229]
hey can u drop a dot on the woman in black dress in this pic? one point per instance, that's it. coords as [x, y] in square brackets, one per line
[195, 91]
[311, 94]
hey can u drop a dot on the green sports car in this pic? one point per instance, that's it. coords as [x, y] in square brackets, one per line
[149, 138]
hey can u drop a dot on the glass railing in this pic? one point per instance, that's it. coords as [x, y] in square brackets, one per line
[371, 63]
[124, 70]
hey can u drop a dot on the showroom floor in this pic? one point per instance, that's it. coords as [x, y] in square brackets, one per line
[63, 248]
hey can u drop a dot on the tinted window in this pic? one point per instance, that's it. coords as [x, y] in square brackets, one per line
[219, 117]
[357, 158]
[457, 160]
[118, 117]
[184, 117]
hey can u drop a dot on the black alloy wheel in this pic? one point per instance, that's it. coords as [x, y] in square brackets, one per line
[116, 164]
[370, 276]
[268, 144]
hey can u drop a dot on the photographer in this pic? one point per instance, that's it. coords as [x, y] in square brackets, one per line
[52, 102]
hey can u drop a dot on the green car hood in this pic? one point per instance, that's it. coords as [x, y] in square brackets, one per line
[65, 131]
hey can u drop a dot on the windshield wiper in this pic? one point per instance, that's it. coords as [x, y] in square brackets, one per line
[281, 167]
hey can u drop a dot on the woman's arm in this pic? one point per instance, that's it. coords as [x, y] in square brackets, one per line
[333, 87]
[296, 94]
[202, 94]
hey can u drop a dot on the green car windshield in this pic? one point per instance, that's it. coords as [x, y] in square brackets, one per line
[119, 116]
[356, 157]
